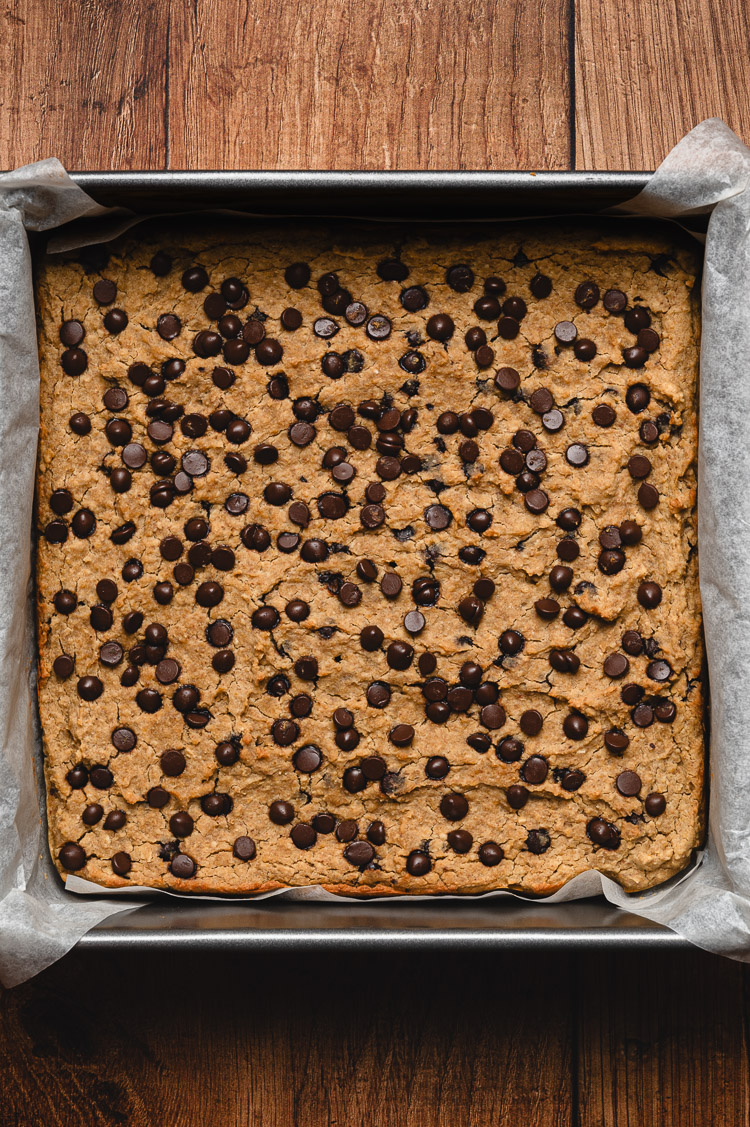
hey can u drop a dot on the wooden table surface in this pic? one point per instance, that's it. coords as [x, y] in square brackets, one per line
[532, 1039]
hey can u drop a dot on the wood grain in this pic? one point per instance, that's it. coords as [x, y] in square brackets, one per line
[83, 80]
[348, 84]
[369, 84]
[392, 1040]
[647, 71]
[662, 1041]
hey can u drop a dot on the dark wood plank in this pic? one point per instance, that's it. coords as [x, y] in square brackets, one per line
[662, 1041]
[431, 1041]
[647, 71]
[85, 82]
[370, 84]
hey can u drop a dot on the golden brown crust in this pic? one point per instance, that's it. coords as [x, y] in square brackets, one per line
[521, 548]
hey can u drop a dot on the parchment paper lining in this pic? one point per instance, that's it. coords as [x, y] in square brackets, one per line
[707, 173]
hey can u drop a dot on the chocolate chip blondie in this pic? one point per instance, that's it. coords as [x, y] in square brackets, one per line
[367, 557]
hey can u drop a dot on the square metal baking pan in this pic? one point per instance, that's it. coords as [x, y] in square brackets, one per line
[276, 924]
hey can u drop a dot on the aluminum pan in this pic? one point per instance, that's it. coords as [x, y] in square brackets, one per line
[275, 925]
[423, 195]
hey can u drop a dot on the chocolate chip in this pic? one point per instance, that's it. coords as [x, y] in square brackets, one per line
[492, 716]
[635, 357]
[414, 299]
[359, 853]
[649, 594]
[167, 671]
[655, 804]
[378, 694]
[484, 589]
[638, 397]
[560, 577]
[223, 661]
[648, 496]
[65, 602]
[111, 654]
[182, 866]
[508, 328]
[209, 594]
[471, 609]
[90, 688]
[460, 278]
[297, 275]
[56, 532]
[648, 340]
[631, 694]
[471, 554]
[454, 807]
[615, 301]
[511, 642]
[399, 655]
[63, 666]
[541, 401]
[564, 661]
[255, 537]
[314, 551]
[83, 524]
[565, 332]
[281, 813]
[484, 357]
[440, 327]
[540, 285]
[418, 863]
[460, 841]
[616, 665]
[303, 836]
[575, 726]
[531, 722]
[115, 321]
[536, 500]
[535, 769]
[611, 562]
[391, 585]
[71, 333]
[587, 295]
[628, 783]
[72, 857]
[74, 362]
[584, 350]
[577, 455]
[630, 532]
[300, 433]
[648, 432]
[639, 467]
[269, 351]
[253, 331]
[507, 380]
[659, 670]
[603, 833]
[325, 328]
[118, 431]
[265, 618]
[350, 595]
[479, 520]
[616, 741]
[291, 319]
[512, 461]
[547, 608]
[537, 841]
[490, 853]
[487, 308]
